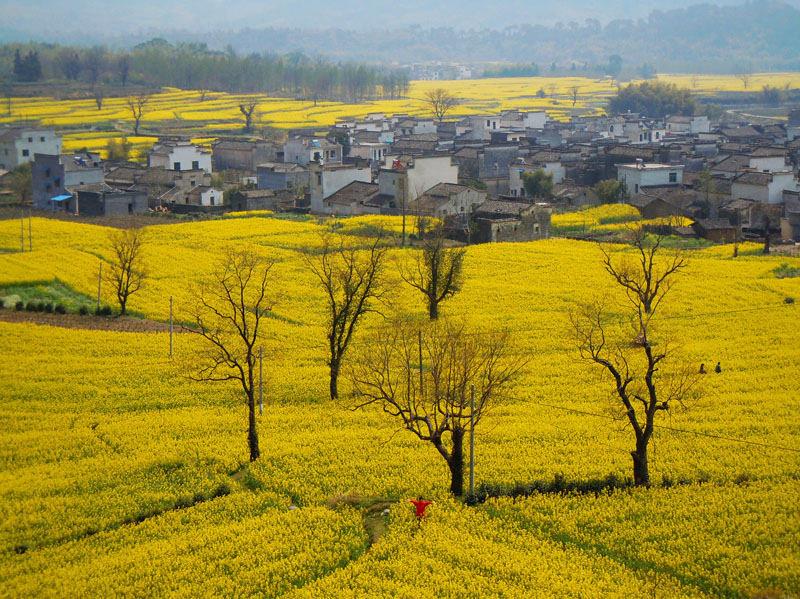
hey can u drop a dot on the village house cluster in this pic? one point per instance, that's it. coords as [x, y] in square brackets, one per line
[733, 180]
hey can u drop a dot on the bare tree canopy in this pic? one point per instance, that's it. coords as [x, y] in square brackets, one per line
[440, 102]
[352, 281]
[229, 313]
[645, 375]
[136, 105]
[127, 264]
[247, 110]
[437, 271]
[423, 377]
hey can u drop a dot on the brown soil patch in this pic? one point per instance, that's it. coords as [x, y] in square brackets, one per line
[98, 323]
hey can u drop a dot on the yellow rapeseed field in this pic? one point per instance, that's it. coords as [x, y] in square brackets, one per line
[88, 127]
[104, 435]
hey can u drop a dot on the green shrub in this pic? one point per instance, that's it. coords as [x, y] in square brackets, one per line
[30, 307]
[60, 309]
[83, 310]
[20, 305]
[48, 307]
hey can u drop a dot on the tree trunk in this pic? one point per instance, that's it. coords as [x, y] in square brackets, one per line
[641, 472]
[252, 433]
[456, 463]
[433, 309]
[334, 389]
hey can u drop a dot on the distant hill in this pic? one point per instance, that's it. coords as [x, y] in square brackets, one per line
[759, 35]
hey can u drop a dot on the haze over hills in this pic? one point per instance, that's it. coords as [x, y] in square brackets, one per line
[108, 18]
[724, 37]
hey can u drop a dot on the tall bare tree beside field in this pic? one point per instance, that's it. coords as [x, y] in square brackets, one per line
[352, 279]
[136, 105]
[127, 264]
[440, 102]
[635, 357]
[436, 272]
[228, 313]
[247, 110]
[422, 375]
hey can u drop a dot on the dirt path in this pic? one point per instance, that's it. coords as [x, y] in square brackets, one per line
[97, 323]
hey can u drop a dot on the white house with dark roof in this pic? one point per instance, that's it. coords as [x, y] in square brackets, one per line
[304, 150]
[18, 145]
[448, 199]
[179, 156]
[763, 187]
[646, 174]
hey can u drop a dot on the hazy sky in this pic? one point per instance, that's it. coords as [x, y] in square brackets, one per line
[112, 17]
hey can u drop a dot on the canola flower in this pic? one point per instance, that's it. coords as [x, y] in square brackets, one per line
[101, 429]
[220, 111]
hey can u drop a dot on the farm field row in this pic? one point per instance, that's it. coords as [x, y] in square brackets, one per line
[102, 429]
[87, 126]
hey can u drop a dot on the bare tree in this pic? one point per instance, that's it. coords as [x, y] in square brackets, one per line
[127, 264]
[247, 110]
[437, 271]
[228, 314]
[744, 78]
[136, 105]
[645, 381]
[99, 94]
[440, 102]
[352, 281]
[423, 377]
[574, 91]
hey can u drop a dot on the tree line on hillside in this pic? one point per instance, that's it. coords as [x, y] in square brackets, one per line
[157, 63]
[757, 36]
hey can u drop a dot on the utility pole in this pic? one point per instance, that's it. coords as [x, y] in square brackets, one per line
[30, 234]
[170, 326]
[99, 283]
[260, 379]
[421, 393]
[21, 228]
[472, 441]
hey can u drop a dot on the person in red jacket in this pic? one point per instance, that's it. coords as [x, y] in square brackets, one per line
[420, 506]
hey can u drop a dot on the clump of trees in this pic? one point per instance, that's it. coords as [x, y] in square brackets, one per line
[27, 68]
[653, 99]
[538, 184]
[611, 191]
[193, 65]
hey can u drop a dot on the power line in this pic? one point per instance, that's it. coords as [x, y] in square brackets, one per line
[669, 428]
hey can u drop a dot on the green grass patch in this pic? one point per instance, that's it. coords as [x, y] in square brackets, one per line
[784, 271]
[55, 292]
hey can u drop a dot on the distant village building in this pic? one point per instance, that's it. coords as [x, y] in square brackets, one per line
[242, 155]
[18, 145]
[56, 178]
[179, 156]
[643, 174]
[304, 150]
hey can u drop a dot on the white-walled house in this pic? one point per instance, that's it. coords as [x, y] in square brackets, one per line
[643, 174]
[405, 179]
[305, 150]
[325, 180]
[18, 145]
[179, 156]
[448, 199]
[763, 187]
[688, 124]
[204, 195]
